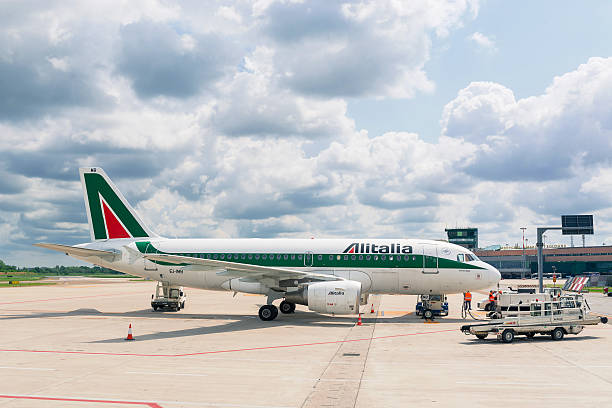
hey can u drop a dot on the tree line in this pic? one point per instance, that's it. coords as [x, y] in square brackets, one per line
[58, 270]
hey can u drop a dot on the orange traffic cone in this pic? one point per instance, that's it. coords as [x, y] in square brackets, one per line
[372, 311]
[359, 320]
[129, 336]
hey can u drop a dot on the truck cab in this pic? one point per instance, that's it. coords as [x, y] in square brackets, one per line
[168, 297]
[437, 304]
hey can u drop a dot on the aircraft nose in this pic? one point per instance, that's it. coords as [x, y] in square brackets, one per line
[494, 275]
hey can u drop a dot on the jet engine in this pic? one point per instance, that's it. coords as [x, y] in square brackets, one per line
[337, 297]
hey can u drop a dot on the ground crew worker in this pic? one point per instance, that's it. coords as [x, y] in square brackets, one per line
[491, 298]
[467, 300]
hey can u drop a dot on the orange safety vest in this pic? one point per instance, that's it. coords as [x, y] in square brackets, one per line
[467, 296]
[491, 297]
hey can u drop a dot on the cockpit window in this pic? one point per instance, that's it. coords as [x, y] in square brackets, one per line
[460, 258]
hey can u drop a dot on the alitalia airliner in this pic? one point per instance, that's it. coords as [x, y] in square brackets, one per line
[331, 276]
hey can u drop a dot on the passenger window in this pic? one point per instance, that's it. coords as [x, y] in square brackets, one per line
[278, 256]
[320, 257]
[346, 257]
[406, 258]
[285, 257]
[229, 256]
[300, 257]
[264, 256]
[460, 258]
[250, 256]
[222, 256]
[383, 257]
[331, 257]
[353, 257]
[243, 256]
[391, 258]
[376, 257]
[257, 256]
[292, 257]
[216, 256]
[361, 257]
[368, 257]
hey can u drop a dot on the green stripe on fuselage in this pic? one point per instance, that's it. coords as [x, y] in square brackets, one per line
[296, 260]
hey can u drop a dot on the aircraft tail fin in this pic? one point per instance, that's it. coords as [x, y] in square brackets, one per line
[109, 214]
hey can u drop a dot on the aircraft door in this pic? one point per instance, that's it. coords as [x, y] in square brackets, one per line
[308, 258]
[430, 259]
[148, 265]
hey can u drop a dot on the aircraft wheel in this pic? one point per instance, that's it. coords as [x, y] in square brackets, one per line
[286, 307]
[482, 336]
[182, 305]
[268, 312]
[530, 335]
[557, 334]
[428, 314]
[155, 308]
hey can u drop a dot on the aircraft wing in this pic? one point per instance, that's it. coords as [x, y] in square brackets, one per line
[239, 270]
[76, 251]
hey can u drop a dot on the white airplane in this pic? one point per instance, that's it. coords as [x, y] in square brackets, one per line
[330, 276]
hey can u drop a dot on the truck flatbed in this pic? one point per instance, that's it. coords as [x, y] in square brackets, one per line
[555, 318]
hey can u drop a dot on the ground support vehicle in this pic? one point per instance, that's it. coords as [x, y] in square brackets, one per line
[168, 297]
[429, 306]
[551, 317]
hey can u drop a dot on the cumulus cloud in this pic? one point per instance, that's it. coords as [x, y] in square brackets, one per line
[546, 137]
[232, 122]
[483, 42]
[358, 49]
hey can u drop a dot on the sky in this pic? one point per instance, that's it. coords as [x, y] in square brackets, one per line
[228, 119]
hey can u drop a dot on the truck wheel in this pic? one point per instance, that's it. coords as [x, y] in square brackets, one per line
[530, 335]
[155, 308]
[482, 336]
[487, 307]
[557, 334]
[183, 305]
[508, 336]
[428, 314]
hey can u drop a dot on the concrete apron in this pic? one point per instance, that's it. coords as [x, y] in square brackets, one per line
[338, 385]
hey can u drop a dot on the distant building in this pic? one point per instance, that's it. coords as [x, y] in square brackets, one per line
[466, 237]
[568, 261]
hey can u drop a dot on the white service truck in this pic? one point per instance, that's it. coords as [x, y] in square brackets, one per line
[168, 297]
[567, 315]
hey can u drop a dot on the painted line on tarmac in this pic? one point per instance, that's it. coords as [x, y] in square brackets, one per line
[66, 298]
[134, 402]
[154, 373]
[98, 401]
[532, 384]
[202, 353]
[28, 368]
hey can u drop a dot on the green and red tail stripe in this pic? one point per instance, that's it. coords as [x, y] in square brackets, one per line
[110, 216]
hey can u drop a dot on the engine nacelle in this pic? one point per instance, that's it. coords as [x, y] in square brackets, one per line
[337, 297]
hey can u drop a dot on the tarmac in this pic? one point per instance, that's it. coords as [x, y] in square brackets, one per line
[63, 346]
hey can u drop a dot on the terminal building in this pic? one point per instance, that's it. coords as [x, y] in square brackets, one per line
[567, 261]
[516, 263]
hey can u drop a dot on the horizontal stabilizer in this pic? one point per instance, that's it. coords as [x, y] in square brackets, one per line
[82, 252]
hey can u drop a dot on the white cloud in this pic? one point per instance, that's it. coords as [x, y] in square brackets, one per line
[483, 42]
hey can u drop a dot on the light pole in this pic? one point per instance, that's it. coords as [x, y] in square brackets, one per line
[524, 263]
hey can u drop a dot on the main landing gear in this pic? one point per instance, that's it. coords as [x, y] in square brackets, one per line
[270, 312]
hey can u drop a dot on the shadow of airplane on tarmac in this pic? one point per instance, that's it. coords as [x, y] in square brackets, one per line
[235, 322]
